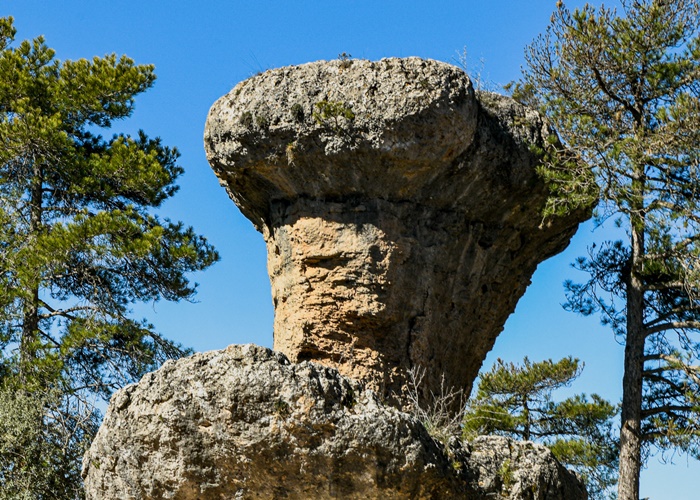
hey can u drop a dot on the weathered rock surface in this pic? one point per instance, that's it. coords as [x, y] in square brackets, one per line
[499, 467]
[401, 212]
[245, 423]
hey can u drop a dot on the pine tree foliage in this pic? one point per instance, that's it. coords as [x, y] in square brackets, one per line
[516, 401]
[79, 241]
[623, 91]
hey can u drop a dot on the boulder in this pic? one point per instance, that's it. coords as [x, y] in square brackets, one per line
[246, 423]
[500, 467]
[401, 211]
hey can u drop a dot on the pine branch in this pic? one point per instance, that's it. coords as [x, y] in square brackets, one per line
[667, 409]
[66, 313]
[672, 325]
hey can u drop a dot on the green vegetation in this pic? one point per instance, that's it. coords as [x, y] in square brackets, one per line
[505, 473]
[262, 121]
[79, 245]
[623, 92]
[298, 113]
[246, 119]
[42, 461]
[345, 60]
[282, 408]
[516, 401]
[333, 114]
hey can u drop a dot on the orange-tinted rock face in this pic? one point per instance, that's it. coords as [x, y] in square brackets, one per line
[401, 212]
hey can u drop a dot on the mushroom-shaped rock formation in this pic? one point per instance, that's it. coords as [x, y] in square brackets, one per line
[401, 212]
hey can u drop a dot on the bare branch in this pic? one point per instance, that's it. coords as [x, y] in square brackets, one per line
[672, 325]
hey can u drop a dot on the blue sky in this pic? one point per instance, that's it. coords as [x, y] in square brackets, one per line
[202, 49]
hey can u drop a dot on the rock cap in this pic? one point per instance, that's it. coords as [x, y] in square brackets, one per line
[333, 129]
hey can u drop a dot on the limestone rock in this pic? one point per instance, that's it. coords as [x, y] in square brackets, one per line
[245, 423]
[499, 467]
[401, 212]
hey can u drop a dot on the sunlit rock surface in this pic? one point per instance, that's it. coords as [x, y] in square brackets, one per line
[401, 211]
[245, 423]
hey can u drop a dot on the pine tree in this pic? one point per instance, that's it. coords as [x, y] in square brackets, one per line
[79, 242]
[516, 401]
[623, 91]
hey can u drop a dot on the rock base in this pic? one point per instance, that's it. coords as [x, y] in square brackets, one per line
[245, 423]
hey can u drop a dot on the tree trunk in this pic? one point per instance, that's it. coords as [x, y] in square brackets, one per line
[30, 312]
[30, 328]
[526, 425]
[630, 432]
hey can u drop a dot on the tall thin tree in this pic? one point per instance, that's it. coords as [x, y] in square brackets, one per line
[623, 91]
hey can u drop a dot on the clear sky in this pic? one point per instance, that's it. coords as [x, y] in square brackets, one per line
[202, 49]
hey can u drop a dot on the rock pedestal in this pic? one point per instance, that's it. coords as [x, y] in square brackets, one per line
[245, 423]
[401, 212]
